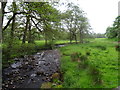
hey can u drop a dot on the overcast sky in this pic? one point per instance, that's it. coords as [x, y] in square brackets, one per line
[101, 13]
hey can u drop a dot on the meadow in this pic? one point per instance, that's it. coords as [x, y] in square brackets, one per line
[90, 65]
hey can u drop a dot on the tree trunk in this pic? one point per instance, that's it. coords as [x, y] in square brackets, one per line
[13, 25]
[81, 36]
[1, 26]
[3, 5]
[75, 38]
[46, 39]
[12, 29]
[29, 35]
[11, 33]
[26, 27]
[70, 37]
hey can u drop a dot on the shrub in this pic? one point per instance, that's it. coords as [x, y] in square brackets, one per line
[17, 50]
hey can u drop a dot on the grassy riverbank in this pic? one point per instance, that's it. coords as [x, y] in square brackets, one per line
[90, 65]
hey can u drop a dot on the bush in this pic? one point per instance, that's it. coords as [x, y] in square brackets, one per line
[16, 50]
[27, 49]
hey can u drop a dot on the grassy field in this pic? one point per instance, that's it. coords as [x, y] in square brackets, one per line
[90, 65]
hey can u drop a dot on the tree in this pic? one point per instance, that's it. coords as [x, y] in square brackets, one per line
[114, 30]
[76, 22]
[3, 10]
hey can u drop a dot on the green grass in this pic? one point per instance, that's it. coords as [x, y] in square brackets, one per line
[62, 41]
[39, 42]
[105, 60]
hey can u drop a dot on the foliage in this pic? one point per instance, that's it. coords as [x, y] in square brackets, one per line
[114, 30]
[17, 50]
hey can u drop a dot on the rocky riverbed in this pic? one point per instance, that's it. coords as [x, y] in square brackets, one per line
[32, 70]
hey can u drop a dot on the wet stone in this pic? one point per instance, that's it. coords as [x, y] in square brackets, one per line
[26, 63]
[16, 59]
[16, 65]
[33, 75]
[39, 53]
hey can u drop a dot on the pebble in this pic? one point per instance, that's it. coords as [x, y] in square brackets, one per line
[6, 86]
[26, 63]
[33, 75]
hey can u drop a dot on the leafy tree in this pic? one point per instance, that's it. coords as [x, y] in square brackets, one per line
[76, 22]
[114, 31]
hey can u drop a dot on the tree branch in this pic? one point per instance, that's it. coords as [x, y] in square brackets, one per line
[12, 18]
[20, 13]
[36, 25]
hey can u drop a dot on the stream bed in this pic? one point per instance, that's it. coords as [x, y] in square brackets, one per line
[32, 70]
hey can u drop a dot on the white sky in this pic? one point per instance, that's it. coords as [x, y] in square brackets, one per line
[101, 13]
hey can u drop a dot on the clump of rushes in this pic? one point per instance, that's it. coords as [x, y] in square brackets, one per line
[88, 53]
[65, 54]
[83, 65]
[83, 58]
[96, 75]
[76, 56]
[117, 48]
[101, 47]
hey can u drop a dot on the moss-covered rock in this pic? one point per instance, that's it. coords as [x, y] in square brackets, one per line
[46, 85]
[58, 86]
[55, 76]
